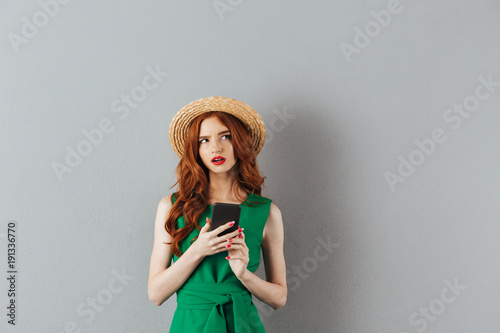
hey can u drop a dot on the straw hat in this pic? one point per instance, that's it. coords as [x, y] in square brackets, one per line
[185, 116]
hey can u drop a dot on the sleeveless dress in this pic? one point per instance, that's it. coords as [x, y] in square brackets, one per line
[212, 296]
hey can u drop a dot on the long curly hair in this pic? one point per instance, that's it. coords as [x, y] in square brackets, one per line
[193, 178]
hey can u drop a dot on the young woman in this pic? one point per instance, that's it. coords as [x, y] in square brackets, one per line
[217, 140]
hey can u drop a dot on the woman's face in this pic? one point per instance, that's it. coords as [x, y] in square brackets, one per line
[215, 141]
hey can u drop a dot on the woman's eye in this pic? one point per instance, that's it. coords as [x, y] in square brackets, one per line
[228, 135]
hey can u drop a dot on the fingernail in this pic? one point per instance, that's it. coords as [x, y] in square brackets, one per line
[228, 257]
[230, 240]
[240, 230]
[240, 236]
[231, 224]
[228, 245]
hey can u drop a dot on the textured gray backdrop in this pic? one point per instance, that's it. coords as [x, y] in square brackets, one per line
[383, 128]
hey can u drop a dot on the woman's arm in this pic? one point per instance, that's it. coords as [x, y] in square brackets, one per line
[165, 280]
[274, 290]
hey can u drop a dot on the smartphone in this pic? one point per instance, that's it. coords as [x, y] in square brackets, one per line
[223, 213]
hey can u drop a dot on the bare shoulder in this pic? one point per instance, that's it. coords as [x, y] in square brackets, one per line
[162, 212]
[274, 223]
[165, 203]
[274, 212]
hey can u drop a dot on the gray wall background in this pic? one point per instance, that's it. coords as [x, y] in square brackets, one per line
[337, 125]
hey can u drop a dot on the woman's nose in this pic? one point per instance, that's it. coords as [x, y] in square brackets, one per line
[217, 146]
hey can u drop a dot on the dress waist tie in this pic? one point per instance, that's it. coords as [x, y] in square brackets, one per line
[217, 297]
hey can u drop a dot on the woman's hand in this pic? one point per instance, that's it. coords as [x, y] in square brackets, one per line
[208, 243]
[238, 255]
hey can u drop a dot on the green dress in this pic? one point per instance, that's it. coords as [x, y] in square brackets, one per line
[212, 296]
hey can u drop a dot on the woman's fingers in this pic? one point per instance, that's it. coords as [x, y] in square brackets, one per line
[237, 238]
[232, 246]
[224, 239]
[235, 244]
[206, 227]
[223, 227]
[235, 257]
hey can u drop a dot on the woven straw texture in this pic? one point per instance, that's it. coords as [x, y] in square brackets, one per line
[185, 116]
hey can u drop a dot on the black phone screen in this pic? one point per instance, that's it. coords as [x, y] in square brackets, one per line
[223, 213]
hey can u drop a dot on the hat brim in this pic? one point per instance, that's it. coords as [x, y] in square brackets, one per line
[183, 119]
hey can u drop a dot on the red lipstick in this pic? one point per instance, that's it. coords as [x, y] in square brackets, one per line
[218, 160]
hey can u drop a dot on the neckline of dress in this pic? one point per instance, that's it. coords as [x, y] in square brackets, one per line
[249, 194]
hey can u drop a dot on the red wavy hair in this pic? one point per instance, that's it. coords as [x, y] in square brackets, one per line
[193, 178]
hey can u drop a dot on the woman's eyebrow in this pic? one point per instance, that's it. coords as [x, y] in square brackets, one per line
[226, 131]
